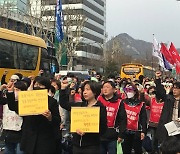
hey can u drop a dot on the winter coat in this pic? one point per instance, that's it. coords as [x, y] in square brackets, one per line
[39, 135]
[89, 139]
[166, 115]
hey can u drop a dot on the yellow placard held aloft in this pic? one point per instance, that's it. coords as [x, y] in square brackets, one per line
[32, 102]
[85, 119]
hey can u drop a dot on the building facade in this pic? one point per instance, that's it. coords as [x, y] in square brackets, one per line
[89, 51]
[17, 6]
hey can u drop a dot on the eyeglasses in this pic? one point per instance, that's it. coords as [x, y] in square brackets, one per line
[128, 89]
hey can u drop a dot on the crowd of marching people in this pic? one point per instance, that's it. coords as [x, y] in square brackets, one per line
[133, 114]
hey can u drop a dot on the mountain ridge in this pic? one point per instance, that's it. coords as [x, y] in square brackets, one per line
[131, 47]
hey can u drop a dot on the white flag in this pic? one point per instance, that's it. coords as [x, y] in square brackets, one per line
[157, 53]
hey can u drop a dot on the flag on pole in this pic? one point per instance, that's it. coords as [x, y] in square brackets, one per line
[175, 56]
[167, 55]
[59, 31]
[166, 64]
[156, 52]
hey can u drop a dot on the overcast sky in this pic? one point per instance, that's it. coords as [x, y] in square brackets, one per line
[142, 18]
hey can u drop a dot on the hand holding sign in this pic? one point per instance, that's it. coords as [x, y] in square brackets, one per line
[48, 115]
[81, 133]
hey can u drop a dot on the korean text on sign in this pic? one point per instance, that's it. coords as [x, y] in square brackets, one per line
[32, 102]
[85, 119]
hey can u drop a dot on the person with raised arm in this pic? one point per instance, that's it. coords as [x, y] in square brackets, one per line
[85, 143]
[171, 109]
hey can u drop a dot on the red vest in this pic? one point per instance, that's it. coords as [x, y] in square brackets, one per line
[133, 115]
[155, 111]
[112, 110]
[77, 97]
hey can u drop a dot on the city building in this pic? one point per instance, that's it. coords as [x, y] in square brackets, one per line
[17, 6]
[89, 52]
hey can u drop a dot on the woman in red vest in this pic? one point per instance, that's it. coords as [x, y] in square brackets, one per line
[136, 120]
[156, 105]
[116, 118]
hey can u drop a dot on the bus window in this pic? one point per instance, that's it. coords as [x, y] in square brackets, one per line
[8, 58]
[27, 56]
[131, 70]
[45, 63]
[53, 64]
[45, 66]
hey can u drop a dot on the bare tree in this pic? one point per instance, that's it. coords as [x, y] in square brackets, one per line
[6, 8]
[41, 20]
[73, 29]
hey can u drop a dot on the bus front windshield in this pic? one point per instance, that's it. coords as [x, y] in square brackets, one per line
[131, 70]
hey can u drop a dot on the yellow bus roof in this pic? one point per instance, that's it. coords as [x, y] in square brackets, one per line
[21, 37]
[137, 64]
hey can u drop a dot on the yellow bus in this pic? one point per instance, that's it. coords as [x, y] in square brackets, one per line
[134, 70]
[25, 54]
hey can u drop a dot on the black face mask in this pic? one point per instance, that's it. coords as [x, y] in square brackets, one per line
[38, 88]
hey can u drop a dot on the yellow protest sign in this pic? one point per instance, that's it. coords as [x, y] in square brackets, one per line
[32, 102]
[85, 119]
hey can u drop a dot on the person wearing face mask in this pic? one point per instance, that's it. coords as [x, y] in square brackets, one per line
[155, 104]
[136, 120]
[40, 133]
[12, 122]
[116, 118]
[146, 86]
[168, 87]
[86, 143]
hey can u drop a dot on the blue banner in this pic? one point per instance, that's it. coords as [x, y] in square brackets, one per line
[59, 32]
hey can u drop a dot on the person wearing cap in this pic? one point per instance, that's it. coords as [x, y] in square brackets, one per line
[14, 78]
[12, 122]
[171, 109]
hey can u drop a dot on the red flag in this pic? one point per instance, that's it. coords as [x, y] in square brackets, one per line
[166, 54]
[175, 56]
